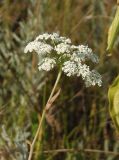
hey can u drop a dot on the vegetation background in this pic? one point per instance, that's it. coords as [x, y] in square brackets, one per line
[80, 117]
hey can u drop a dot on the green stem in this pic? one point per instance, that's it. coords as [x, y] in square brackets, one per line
[43, 116]
[55, 85]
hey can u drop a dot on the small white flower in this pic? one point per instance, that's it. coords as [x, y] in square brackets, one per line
[67, 41]
[54, 36]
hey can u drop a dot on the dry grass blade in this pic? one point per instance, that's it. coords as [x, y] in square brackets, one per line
[51, 101]
[82, 150]
[52, 121]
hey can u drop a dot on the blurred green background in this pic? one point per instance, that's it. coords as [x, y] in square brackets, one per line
[80, 116]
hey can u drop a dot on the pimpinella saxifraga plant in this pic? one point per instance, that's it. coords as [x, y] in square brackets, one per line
[56, 51]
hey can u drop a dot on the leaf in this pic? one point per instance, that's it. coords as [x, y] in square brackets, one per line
[113, 31]
[113, 96]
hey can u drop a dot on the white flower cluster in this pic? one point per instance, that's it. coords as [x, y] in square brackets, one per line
[38, 47]
[47, 64]
[58, 51]
[63, 48]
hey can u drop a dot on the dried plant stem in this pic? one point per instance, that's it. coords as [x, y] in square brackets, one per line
[43, 116]
[81, 150]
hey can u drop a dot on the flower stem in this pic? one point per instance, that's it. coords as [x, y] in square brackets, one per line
[43, 116]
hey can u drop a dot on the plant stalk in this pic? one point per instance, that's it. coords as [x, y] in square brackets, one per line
[43, 116]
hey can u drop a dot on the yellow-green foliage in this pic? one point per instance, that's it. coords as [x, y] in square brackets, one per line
[113, 96]
[113, 31]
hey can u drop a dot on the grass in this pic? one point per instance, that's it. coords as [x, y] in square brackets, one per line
[81, 114]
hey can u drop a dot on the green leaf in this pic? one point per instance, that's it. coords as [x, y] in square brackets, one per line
[113, 31]
[113, 96]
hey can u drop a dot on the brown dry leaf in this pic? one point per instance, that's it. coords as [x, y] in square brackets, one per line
[51, 101]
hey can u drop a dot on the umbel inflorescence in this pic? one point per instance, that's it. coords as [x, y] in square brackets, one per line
[57, 51]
